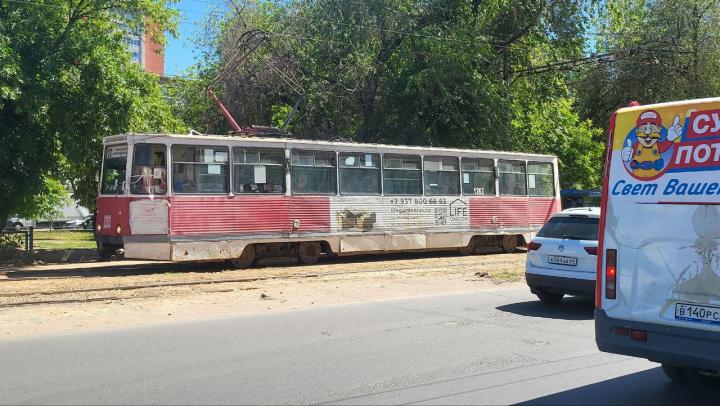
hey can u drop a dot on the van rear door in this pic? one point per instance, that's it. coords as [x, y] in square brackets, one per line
[661, 217]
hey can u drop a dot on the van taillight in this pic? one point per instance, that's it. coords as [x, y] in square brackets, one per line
[534, 246]
[591, 250]
[610, 273]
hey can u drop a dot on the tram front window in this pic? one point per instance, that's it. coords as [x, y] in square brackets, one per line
[149, 170]
[114, 168]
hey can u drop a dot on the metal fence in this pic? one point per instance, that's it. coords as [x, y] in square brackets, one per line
[17, 239]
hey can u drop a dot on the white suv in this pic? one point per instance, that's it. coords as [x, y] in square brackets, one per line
[562, 258]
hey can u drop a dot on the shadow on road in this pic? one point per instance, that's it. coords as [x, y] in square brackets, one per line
[646, 387]
[571, 308]
[116, 269]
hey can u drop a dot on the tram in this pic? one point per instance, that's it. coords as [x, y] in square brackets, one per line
[181, 197]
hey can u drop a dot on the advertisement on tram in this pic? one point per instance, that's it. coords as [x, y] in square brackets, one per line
[658, 285]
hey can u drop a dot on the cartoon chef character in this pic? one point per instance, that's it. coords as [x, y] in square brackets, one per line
[645, 155]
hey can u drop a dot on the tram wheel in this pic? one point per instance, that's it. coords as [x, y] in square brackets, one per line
[509, 243]
[105, 252]
[468, 249]
[245, 259]
[309, 252]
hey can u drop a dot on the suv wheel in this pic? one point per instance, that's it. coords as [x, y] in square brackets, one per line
[549, 298]
[675, 374]
[697, 377]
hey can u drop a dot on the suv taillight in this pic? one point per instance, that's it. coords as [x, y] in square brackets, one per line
[591, 250]
[610, 273]
[534, 246]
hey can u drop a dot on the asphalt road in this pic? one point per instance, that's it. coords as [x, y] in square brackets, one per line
[490, 348]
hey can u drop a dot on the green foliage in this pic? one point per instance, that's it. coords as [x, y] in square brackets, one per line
[433, 72]
[554, 128]
[280, 114]
[66, 81]
[190, 104]
[11, 242]
[47, 203]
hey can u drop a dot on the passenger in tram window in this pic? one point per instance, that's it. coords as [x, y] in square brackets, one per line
[301, 184]
[161, 187]
[184, 185]
[268, 188]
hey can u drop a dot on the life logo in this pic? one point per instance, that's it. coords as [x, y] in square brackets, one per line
[650, 149]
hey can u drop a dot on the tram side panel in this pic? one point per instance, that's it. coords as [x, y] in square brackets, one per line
[207, 228]
[511, 212]
[349, 225]
[219, 227]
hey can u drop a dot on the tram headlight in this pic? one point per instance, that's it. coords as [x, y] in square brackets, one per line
[98, 227]
[118, 229]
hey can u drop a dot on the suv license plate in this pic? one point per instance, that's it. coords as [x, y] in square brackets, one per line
[699, 314]
[561, 260]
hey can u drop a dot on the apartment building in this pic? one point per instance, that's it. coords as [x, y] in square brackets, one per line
[147, 53]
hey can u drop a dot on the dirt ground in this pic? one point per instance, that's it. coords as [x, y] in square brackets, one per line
[61, 299]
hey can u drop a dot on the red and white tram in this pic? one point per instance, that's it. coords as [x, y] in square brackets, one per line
[201, 198]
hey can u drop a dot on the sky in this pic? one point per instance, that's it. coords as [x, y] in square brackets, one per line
[182, 52]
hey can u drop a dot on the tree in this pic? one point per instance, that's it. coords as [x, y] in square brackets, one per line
[66, 81]
[554, 128]
[658, 51]
[434, 72]
[47, 203]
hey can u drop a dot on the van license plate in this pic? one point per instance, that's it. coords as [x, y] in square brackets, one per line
[561, 260]
[700, 314]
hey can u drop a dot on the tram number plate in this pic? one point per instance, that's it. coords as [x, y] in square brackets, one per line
[699, 314]
[561, 260]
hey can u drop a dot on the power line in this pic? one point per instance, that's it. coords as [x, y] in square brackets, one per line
[609, 57]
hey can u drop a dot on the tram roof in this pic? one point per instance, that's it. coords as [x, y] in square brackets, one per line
[310, 143]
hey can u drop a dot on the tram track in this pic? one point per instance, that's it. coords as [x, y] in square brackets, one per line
[158, 289]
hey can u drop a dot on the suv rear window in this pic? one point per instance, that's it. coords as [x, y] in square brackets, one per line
[574, 228]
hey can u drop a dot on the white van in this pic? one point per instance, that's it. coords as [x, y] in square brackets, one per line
[658, 279]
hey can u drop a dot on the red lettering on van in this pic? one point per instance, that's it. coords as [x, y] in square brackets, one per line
[704, 124]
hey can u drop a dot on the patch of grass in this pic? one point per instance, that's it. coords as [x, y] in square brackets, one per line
[63, 239]
[507, 276]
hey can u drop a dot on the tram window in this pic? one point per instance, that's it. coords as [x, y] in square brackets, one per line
[200, 169]
[149, 172]
[359, 173]
[113, 171]
[442, 175]
[257, 170]
[512, 179]
[313, 172]
[402, 175]
[478, 176]
[541, 181]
